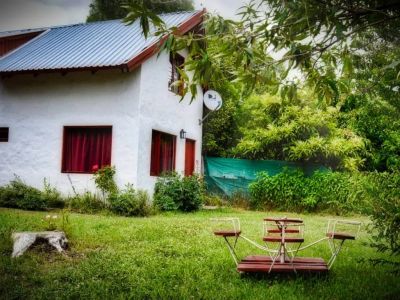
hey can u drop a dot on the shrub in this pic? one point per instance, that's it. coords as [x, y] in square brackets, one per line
[17, 194]
[328, 191]
[285, 190]
[130, 202]
[292, 190]
[104, 179]
[239, 199]
[214, 200]
[86, 203]
[384, 192]
[52, 196]
[172, 192]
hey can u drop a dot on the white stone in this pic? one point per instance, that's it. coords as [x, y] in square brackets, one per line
[23, 240]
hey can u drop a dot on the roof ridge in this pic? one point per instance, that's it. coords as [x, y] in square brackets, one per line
[28, 30]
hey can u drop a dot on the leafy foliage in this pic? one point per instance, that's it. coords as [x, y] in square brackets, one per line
[130, 202]
[172, 192]
[101, 10]
[297, 132]
[324, 42]
[384, 191]
[52, 196]
[221, 128]
[377, 121]
[292, 190]
[104, 180]
[87, 203]
[18, 194]
[344, 52]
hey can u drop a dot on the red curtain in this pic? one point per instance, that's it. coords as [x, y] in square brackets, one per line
[189, 157]
[86, 149]
[162, 153]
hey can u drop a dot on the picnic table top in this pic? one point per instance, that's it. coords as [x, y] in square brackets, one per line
[284, 220]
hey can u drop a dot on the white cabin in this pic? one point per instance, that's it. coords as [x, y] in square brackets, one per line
[76, 98]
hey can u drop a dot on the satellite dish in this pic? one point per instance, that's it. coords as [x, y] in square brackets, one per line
[212, 100]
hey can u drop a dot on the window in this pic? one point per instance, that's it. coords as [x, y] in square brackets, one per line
[189, 156]
[177, 62]
[86, 149]
[4, 134]
[163, 148]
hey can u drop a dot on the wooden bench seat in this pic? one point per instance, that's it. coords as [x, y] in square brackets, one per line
[280, 231]
[284, 220]
[282, 268]
[297, 260]
[278, 239]
[340, 236]
[226, 233]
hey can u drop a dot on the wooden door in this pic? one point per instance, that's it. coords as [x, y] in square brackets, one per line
[189, 157]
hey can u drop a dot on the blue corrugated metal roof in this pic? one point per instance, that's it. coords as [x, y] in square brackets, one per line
[90, 45]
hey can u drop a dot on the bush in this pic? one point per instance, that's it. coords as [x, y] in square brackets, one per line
[172, 192]
[17, 194]
[130, 202]
[52, 196]
[384, 192]
[214, 200]
[86, 203]
[283, 191]
[104, 180]
[293, 190]
[333, 191]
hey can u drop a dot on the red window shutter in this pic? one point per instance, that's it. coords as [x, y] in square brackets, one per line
[163, 152]
[190, 150]
[85, 148]
[155, 153]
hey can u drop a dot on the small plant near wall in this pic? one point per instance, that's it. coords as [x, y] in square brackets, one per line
[52, 196]
[86, 203]
[172, 192]
[104, 180]
[130, 202]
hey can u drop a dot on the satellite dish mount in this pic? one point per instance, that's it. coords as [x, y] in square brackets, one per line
[213, 101]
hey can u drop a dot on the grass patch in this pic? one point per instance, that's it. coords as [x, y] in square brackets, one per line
[175, 255]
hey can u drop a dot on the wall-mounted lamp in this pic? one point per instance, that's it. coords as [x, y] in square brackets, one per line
[182, 134]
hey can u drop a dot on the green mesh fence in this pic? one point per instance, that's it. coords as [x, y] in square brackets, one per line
[227, 176]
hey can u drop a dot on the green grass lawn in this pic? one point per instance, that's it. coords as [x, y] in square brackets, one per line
[175, 256]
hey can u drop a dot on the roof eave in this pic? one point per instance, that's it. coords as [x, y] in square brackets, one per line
[155, 47]
[131, 64]
[63, 71]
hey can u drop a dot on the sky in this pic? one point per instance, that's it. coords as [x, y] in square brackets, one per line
[22, 14]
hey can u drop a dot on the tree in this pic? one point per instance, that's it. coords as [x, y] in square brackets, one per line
[273, 129]
[319, 39]
[373, 107]
[340, 50]
[221, 131]
[101, 10]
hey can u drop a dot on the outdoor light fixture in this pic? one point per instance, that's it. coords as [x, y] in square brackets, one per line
[182, 134]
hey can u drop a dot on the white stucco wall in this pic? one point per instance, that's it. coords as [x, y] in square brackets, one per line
[37, 108]
[162, 110]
